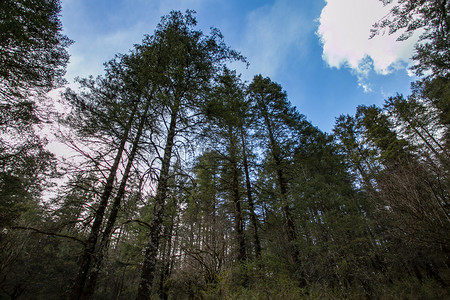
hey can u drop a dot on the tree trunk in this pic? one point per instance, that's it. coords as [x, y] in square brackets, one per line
[167, 262]
[151, 250]
[282, 184]
[251, 206]
[276, 155]
[104, 243]
[236, 198]
[238, 222]
[89, 250]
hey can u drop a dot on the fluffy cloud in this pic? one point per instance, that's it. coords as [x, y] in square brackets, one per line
[344, 31]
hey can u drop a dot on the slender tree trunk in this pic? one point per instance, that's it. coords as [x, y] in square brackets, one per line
[119, 287]
[275, 150]
[433, 149]
[238, 222]
[167, 262]
[292, 235]
[236, 198]
[151, 250]
[104, 243]
[253, 218]
[89, 250]
[290, 225]
[163, 258]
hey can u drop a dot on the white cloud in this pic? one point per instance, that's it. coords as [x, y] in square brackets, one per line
[271, 33]
[344, 31]
[88, 54]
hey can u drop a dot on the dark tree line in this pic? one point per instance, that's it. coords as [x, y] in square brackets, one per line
[191, 183]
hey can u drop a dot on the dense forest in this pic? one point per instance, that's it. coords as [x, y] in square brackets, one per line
[190, 183]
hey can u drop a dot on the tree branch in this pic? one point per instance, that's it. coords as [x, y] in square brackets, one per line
[49, 233]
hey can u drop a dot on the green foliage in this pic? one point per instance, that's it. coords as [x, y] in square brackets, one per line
[436, 94]
[378, 131]
[216, 165]
[408, 188]
[265, 283]
[32, 47]
[412, 288]
[407, 16]
[33, 60]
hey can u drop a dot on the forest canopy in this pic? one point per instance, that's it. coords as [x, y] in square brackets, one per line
[191, 183]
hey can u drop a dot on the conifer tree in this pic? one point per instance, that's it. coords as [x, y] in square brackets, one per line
[192, 60]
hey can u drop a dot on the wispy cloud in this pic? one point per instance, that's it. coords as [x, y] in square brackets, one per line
[115, 30]
[344, 31]
[90, 53]
[272, 33]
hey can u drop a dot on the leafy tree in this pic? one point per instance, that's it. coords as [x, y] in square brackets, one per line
[173, 143]
[419, 122]
[410, 189]
[407, 16]
[224, 112]
[205, 231]
[101, 114]
[191, 59]
[140, 83]
[434, 94]
[32, 48]
[335, 221]
[353, 145]
[33, 60]
[248, 158]
[206, 209]
[378, 131]
[278, 127]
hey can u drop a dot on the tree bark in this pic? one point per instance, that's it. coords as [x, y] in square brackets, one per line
[151, 250]
[104, 243]
[276, 155]
[89, 251]
[282, 184]
[235, 194]
[166, 262]
[253, 218]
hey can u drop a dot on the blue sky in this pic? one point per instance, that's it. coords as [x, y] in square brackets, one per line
[317, 50]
